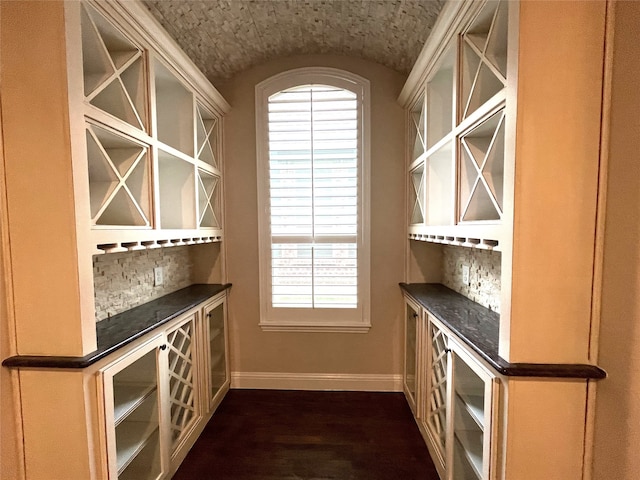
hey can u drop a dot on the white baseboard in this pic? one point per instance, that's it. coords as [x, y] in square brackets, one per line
[317, 381]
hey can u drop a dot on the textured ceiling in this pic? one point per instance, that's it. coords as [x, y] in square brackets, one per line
[225, 37]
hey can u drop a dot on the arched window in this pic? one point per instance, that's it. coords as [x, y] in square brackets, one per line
[313, 194]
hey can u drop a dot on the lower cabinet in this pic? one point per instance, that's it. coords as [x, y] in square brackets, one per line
[159, 395]
[452, 395]
[472, 393]
[217, 364]
[135, 393]
[411, 350]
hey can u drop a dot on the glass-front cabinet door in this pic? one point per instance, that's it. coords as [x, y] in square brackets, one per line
[216, 346]
[473, 391]
[134, 411]
[411, 352]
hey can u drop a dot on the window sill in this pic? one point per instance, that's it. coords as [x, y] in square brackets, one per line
[315, 327]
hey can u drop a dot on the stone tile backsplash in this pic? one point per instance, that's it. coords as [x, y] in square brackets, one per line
[125, 280]
[484, 275]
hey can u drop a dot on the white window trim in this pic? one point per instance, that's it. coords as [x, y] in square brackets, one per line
[296, 320]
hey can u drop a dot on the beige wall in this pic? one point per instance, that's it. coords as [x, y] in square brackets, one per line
[377, 352]
[10, 468]
[617, 433]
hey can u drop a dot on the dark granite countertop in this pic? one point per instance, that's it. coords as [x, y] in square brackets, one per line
[116, 332]
[478, 328]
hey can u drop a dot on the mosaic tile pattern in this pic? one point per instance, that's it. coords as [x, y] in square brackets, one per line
[485, 270]
[125, 280]
[225, 37]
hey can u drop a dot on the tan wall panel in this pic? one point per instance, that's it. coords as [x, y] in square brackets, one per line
[55, 422]
[39, 181]
[617, 430]
[556, 184]
[377, 352]
[545, 430]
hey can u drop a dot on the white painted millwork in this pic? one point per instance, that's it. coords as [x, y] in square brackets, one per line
[159, 393]
[453, 396]
[526, 89]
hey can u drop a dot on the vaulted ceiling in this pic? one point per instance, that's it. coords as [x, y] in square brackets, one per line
[225, 37]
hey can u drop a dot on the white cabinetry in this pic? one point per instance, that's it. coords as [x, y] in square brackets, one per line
[159, 394]
[456, 134]
[152, 140]
[452, 395]
[530, 101]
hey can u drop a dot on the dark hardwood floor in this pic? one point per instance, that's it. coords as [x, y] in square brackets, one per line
[286, 435]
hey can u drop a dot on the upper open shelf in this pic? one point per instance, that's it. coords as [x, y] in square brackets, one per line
[113, 70]
[174, 110]
[484, 57]
[119, 183]
[208, 200]
[207, 131]
[417, 129]
[482, 170]
[440, 98]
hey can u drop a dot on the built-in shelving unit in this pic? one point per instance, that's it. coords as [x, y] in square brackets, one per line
[456, 136]
[152, 143]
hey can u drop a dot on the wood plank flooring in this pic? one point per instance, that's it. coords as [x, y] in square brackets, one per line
[286, 435]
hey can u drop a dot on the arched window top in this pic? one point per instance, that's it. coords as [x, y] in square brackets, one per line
[308, 76]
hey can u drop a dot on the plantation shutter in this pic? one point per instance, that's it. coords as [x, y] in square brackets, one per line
[313, 189]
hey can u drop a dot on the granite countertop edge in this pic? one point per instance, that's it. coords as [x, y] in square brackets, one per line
[195, 294]
[433, 297]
